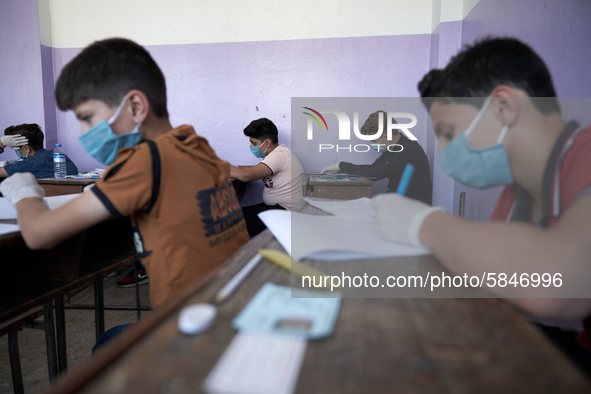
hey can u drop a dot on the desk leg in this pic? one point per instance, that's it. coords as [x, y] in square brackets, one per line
[15, 363]
[60, 326]
[99, 308]
[50, 340]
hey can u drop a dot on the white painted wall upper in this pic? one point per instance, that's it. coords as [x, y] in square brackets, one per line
[77, 23]
[455, 10]
[44, 22]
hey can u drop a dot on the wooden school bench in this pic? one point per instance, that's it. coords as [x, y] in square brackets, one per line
[42, 278]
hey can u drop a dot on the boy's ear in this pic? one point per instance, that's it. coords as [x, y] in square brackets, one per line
[27, 148]
[506, 104]
[140, 106]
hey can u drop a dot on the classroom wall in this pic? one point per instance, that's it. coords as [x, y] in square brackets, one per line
[229, 62]
[226, 66]
[21, 90]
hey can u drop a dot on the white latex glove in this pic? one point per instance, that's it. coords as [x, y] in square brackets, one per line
[19, 186]
[332, 167]
[400, 218]
[14, 141]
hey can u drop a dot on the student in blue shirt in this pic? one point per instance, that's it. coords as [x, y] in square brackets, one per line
[32, 157]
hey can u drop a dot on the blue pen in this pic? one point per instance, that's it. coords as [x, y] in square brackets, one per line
[405, 179]
[335, 159]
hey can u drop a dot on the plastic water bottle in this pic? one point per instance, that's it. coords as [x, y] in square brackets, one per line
[59, 162]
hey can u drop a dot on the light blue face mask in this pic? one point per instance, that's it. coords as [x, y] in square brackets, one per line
[257, 152]
[101, 143]
[480, 168]
[20, 155]
[379, 147]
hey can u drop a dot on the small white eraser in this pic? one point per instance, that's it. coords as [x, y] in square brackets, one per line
[194, 319]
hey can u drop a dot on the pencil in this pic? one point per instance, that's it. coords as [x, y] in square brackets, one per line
[405, 179]
[234, 283]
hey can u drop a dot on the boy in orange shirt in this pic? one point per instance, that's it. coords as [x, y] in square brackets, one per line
[185, 215]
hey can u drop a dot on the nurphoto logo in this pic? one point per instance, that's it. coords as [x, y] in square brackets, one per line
[345, 129]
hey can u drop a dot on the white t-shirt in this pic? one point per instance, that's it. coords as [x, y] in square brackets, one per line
[284, 186]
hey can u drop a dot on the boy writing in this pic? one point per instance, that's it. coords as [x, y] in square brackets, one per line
[185, 214]
[498, 122]
[395, 155]
[280, 171]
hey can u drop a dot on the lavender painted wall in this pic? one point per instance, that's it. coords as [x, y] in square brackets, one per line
[449, 35]
[21, 98]
[220, 88]
[49, 107]
[559, 31]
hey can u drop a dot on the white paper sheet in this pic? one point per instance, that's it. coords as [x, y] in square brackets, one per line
[258, 364]
[278, 221]
[53, 202]
[332, 238]
[6, 228]
[361, 206]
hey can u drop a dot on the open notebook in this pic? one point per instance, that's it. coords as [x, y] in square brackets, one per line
[342, 236]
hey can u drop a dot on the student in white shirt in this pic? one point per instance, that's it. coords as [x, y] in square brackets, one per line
[280, 171]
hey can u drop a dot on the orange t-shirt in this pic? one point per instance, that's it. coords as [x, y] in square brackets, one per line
[185, 214]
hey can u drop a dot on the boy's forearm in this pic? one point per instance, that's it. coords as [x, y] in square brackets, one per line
[31, 217]
[250, 173]
[42, 228]
[477, 248]
[238, 172]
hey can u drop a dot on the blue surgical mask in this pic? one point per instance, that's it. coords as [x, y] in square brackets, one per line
[20, 155]
[257, 152]
[101, 143]
[378, 146]
[480, 168]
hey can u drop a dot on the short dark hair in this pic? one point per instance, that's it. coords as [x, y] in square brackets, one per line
[478, 69]
[106, 70]
[30, 130]
[261, 129]
[371, 125]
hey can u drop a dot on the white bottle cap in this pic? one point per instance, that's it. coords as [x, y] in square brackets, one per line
[194, 319]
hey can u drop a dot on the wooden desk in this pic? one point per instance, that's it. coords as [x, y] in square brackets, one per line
[34, 278]
[58, 187]
[348, 189]
[398, 345]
